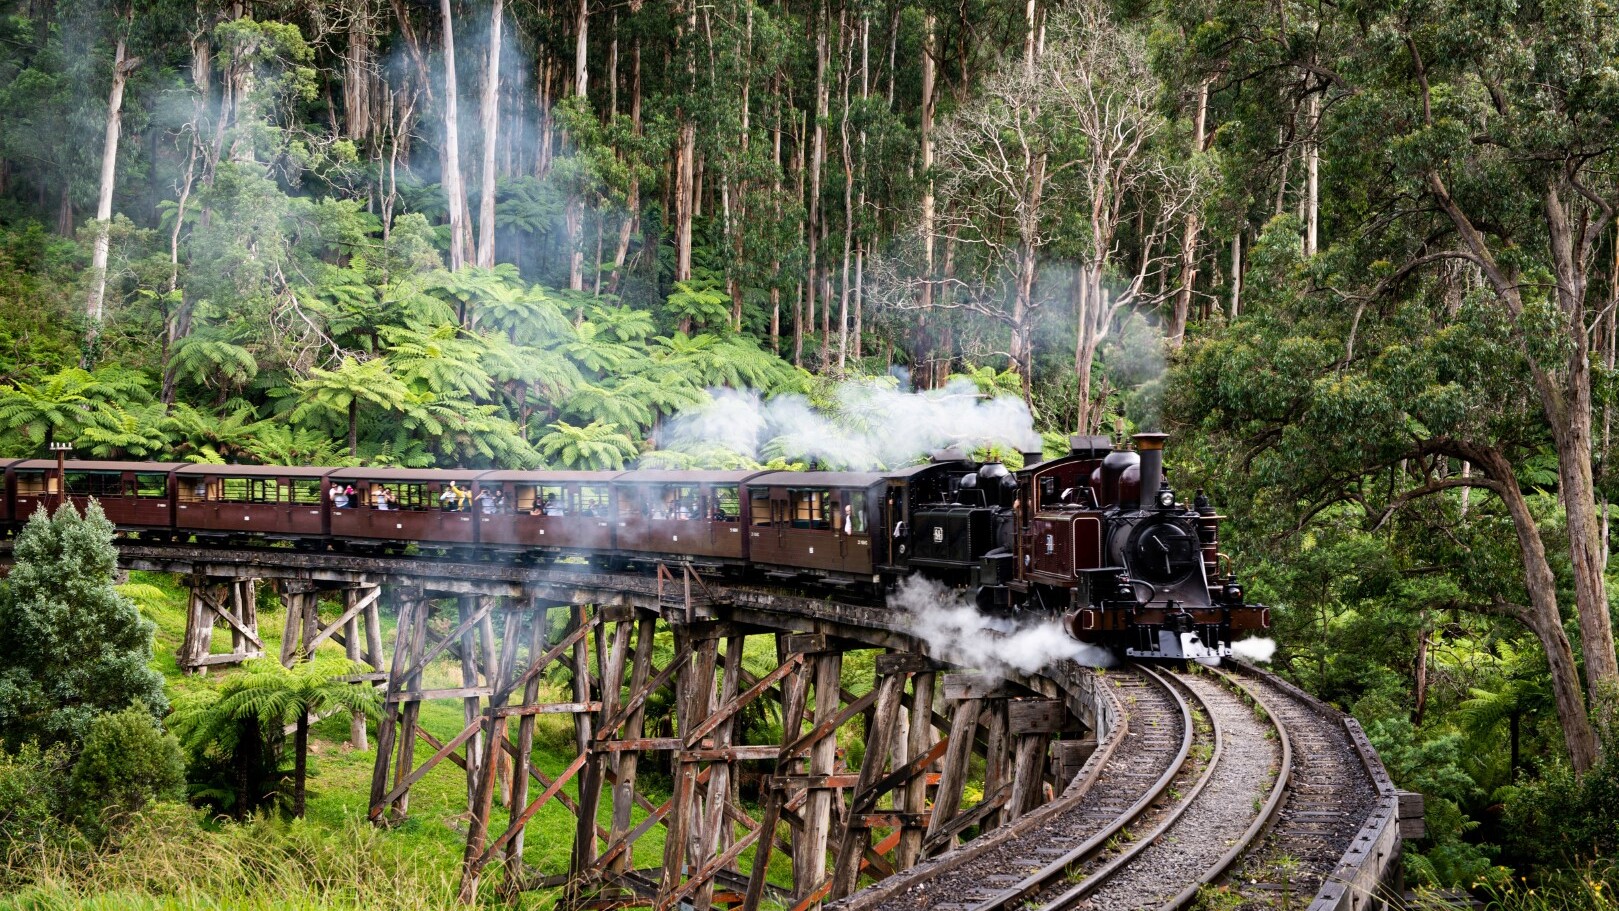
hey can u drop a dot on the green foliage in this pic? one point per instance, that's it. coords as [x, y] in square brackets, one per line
[992, 382]
[702, 301]
[128, 760]
[31, 802]
[169, 857]
[597, 446]
[60, 406]
[1562, 819]
[237, 726]
[71, 646]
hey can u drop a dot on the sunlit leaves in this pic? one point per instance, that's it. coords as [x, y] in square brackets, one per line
[610, 403]
[626, 324]
[700, 301]
[116, 431]
[59, 406]
[335, 397]
[443, 361]
[596, 446]
[212, 362]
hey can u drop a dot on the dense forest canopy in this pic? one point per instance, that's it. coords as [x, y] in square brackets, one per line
[1360, 259]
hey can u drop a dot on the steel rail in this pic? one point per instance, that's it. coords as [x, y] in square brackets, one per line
[1267, 814]
[1072, 896]
[1059, 869]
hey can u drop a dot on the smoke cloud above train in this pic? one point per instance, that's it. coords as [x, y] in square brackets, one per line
[869, 426]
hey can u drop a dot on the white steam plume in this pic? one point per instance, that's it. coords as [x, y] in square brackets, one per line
[1257, 650]
[878, 426]
[957, 633]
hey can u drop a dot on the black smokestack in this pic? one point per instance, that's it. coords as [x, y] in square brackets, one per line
[1151, 447]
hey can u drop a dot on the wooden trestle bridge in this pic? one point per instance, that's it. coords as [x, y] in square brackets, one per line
[931, 735]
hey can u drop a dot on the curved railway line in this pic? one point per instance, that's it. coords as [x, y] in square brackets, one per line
[1212, 781]
[1152, 741]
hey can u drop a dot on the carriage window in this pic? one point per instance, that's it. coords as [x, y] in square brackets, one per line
[35, 483]
[249, 490]
[402, 496]
[809, 509]
[594, 499]
[676, 501]
[94, 484]
[727, 504]
[634, 501]
[524, 497]
[759, 508]
[304, 491]
[151, 486]
[554, 500]
[856, 501]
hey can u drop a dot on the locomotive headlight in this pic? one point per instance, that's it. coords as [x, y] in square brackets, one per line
[1166, 498]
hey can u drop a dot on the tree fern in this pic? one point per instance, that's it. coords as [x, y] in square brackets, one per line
[599, 446]
[609, 403]
[701, 301]
[623, 323]
[115, 431]
[60, 405]
[273, 696]
[212, 362]
[445, 361]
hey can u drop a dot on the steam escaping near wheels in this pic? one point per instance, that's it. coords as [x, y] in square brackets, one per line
[957, 632]
[1258, 649]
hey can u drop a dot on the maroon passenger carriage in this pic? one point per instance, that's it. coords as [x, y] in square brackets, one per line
[692, 515]
[134, 495]
[549, 512]
[257, 501]
[816, 524]
[416, 510]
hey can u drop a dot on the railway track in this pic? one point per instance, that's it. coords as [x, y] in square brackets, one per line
[1154, 743]
[1330, 795]
[1218, 800]
[1221, 781]
[1195, 839]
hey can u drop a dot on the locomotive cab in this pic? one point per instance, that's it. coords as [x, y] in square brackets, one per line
[967, 540]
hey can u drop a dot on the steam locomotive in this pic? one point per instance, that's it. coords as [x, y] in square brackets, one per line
[1096, 537]
[1099, 538]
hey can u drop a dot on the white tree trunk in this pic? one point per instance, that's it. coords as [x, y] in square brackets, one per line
[454, 187]
[817, 155]
[581, 50]
[489, 117]
[686, 197]
[1189, 237]
[925, 141]
[121, 67]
